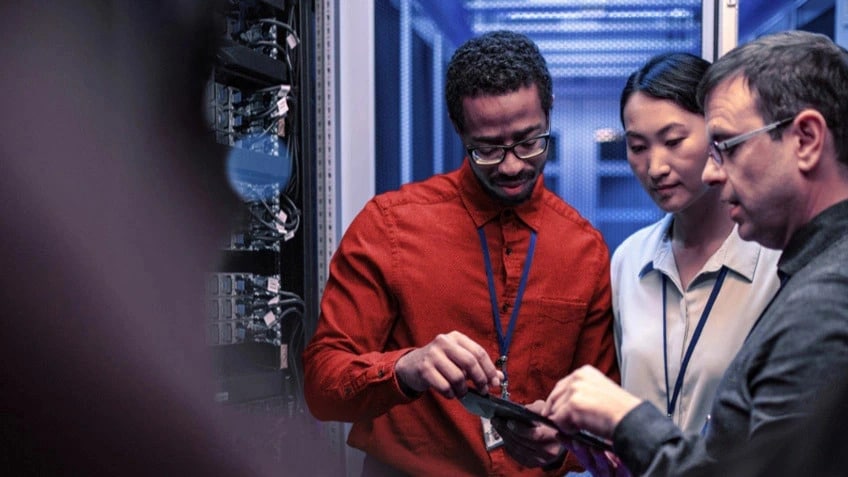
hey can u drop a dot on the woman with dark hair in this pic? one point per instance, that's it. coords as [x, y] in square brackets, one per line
[686, 289]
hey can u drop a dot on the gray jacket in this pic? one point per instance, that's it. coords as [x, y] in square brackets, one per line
[797, 345]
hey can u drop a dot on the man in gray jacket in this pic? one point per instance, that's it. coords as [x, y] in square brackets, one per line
[777, 116]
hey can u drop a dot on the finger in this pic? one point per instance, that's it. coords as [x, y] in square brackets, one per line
[620, 470]
[616, 462]
[562, 415]
[480, 356]
[475, 361]
[458, 364]
[534, 445]
[499, 377]
[528, 453]
[437, 382]
[439, 372]
[536, 406]
[561, 388]
[452, 375]
[563, 407]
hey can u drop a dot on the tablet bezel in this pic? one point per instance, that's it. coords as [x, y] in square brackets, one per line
[489, 406]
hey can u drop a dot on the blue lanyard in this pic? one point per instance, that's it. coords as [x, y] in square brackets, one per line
[505, 339]
[672, 401]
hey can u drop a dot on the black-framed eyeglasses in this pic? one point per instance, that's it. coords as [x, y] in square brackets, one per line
[718, 148]
[525, 149]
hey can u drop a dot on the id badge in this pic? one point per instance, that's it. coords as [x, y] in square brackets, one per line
[491, 437]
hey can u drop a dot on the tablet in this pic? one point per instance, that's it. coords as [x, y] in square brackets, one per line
[489, 406]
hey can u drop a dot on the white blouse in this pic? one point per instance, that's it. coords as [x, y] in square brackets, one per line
[638, 266]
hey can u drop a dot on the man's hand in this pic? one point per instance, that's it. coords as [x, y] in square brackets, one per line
[446, 364]
[587, 399]
[530, 446]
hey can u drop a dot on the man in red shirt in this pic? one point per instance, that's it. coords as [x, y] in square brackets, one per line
[480, 277]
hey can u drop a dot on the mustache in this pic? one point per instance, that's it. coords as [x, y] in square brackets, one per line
[524, 175]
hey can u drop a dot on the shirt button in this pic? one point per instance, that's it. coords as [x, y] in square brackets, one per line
[509, 251]
[505, 307]
[380, 373]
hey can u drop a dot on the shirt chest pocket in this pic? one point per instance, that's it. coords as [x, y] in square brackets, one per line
[551, 330]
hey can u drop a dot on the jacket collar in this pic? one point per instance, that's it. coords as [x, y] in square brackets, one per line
[814, 237]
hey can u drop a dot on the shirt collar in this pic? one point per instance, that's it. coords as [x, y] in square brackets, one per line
[660, 257]
[814, 237]
[483, 207]
[738, 255]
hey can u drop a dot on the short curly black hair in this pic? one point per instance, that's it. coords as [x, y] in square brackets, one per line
[495, 63]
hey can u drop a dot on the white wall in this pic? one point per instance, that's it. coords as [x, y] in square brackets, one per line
[356, 107]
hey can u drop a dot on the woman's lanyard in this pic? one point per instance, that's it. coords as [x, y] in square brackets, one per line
[671, 400]
[505, 339]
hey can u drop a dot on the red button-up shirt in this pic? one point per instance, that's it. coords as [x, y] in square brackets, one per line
[410, 267]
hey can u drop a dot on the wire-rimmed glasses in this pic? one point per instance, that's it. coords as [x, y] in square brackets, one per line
[718, 148]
